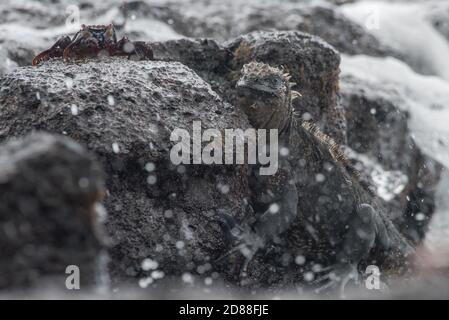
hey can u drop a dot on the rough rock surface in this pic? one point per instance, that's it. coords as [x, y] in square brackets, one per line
[49, 219]
[383, 149]
[125, 111]
[173, 19]
[224, 20]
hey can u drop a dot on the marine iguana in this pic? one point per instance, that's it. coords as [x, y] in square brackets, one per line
[315, 201]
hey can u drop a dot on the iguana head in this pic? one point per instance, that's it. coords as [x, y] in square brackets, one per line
[264, 94]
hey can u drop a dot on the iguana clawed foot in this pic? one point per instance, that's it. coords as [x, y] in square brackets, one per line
[335, 281]
[242, 239]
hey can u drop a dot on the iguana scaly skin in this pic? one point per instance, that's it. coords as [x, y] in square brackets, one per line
[320, 204]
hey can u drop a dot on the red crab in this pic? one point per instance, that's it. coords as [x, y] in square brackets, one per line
[91, 41]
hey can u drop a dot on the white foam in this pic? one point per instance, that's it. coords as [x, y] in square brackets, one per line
[426, 98]
[405, 27]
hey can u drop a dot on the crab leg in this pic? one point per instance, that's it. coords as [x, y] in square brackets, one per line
[55, 51]
[136, 49]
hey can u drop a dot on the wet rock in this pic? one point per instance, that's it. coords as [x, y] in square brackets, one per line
[49, 213]
[207, 57]
[224, 20]
[13, 55]
[125, 111]
[384, 150]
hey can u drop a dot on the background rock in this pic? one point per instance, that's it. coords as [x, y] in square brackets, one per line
[49, 213]
[224, 20]
[384, 150]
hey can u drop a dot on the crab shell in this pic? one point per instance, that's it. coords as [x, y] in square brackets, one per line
[90, 40]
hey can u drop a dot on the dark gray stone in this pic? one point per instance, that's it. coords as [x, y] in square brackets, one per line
[50, 189]
[378, 133]
[222, 21]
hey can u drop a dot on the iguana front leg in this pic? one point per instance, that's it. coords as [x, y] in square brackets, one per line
[276, 219]
[283, 208]
[280, 196]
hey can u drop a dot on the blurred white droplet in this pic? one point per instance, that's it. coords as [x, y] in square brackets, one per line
[128, 47]
[69, 82]
[111, 100]
[151, 179]
[115, 147]
[150, 166]
[320, 177]
[309, 276]
[274, 208]
[300, 260]
[168, 214]
[306, 116]
[223, 188]
[246, 252]
[187, 278]
[317, 268]
[180, 245]
[157, 274]
[144, 282]
[74, 109]
[149, 264]
[284, 152]
[181, 169]
[83, 183]
[101, 212]
[420, 216]
[208, 281]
